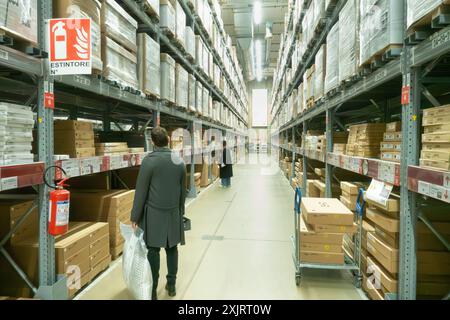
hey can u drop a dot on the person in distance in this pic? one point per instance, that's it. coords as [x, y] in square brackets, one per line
[226, 167]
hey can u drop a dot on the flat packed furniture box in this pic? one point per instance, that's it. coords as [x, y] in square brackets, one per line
[181, 86]
[84, 9]
[118, 25]
[10, 213]
[111, 148]
[149, 65]
[348, 40]
[420, 12]
[19, 19]
[167, 78]
[74, 138]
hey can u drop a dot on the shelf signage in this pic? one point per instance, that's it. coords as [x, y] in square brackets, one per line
[379, 191]
[406, 93]
[70, 47]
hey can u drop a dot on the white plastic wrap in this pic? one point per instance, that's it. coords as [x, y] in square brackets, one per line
[319, 13]
[319, 79]
[154, 4]
[20, 17]
[149, 65]
[192, 92]
[205, 103]
[181, 86]
[167, 78]
[118, 25]
[199, 97]
[332, 59]
[381, 26]
[137, 273]
[119, 64]
[180, 23]
[300, 102]
[205, 59]
[348, 40]
[418, 9]
[190, 42]
[167, 16]
[199, 51]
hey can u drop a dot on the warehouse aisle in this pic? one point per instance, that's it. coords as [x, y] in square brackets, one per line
[239, 248]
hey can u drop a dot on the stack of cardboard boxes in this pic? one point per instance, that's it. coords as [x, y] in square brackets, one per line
[391, 146]
[119, 45]
[74, 138]
[311, 190]
[349, 195]
[111, 148]
[382, 246]
[149, 65]
[436, 138]
[365, 139]
[339, 138]
[339, 148]
[323, 223]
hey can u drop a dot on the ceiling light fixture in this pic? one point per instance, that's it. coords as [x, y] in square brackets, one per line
[257, 12]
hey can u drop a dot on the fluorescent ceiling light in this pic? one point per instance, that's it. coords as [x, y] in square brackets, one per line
[257, 12]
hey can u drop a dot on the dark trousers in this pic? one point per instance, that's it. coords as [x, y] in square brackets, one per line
[172, 265]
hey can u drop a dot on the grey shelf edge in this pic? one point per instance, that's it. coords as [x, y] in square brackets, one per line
[312, 55]
[145, 19]
[20, 61]
[206, 39]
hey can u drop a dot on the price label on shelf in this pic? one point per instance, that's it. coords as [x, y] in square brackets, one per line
[90, 166]
[9, 183]
[355, 165]
[379, 191]
[71, 167]
[423, 188]
[386, 171]
[118, 162]
[437, 192]
[447, 180]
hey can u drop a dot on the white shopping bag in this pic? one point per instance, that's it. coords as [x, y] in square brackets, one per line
[136, 268]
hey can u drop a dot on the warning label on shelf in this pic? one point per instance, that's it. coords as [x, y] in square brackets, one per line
[70, 47]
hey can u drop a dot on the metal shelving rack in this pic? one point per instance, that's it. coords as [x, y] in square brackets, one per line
[91, 97]
[423, 66]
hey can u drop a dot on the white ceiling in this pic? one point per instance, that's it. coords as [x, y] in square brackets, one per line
[238, 19]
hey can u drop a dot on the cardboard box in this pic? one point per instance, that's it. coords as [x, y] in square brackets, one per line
[322, 257]
[99, 181]
[382, 220]
[391, 238]
[439, 128]
[382, 247]
[435, 120]
[73, 125]
[394, 126]
[74, 135]
[392, 205]
[391, 156]
[101, 266]
[98, 245]
[347, 203]
[390, 265]
[392, 136]
[349, 188]
[321, 247]
[436, 155]
[391, 146]
[323, 228]
[100, 255]
[311, 190]
[307, 235]
[320, 172]
[326, 211]
[437, 111]
[433, 263]
[373, 293]
[91, 205]
[438, 164]
[436, 146]
[436, 137]
[387, 280]
[10, 212]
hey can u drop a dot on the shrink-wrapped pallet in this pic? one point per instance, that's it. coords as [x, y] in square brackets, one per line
[181, 86]
[381, 27]
[84, 9]
[300, 99]
[199, 51]
[205, 59]
[319, 13]
[191, 92]
[148, 65]
[167, 17]
[419, 11]
[119, 64]
[118, 25]
[190, 42]
[332, 59]
[153, 6]
[207, 18]
[205, 103]
[199, 97]
[348, 40]
[320, 73]
[180, 23]
[19, 18]
[167, 78]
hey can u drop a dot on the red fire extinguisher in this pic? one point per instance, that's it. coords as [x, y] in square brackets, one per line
[59, 204]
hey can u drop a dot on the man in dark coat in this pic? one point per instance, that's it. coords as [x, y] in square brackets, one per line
[226, 167]
[158, 207]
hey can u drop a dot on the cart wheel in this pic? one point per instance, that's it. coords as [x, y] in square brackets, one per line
[298, 280]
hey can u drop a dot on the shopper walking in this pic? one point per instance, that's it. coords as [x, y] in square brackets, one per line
[159, 205]
[226, 167]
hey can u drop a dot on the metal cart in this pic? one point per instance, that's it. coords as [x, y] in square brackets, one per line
[352, 264]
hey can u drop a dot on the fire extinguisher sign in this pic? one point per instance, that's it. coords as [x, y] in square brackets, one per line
[70, 47]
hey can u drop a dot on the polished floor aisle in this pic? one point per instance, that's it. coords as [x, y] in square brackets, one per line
[239, 247]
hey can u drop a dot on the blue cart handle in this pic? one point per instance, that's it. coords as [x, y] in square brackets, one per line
[297, 200]
[360, 202]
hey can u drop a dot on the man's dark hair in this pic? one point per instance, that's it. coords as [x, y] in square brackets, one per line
[224, 143]
[160, 137]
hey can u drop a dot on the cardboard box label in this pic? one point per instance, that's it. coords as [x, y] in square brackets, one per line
[8, 183]
[72, 167]
[118, 162]
[90, 166]
[387, 172]
[424, 188]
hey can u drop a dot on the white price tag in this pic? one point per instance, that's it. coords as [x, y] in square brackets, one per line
[4, 55]
[116, 162]
[424, 188]
[437, 192]
[8, 183]
[90, 166]
[355, 165]
[71, 167]
[386, 171]
[379, 191]
[446, 180]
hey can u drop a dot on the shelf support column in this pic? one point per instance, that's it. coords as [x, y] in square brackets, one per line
[293, 156]
[192, 189]
[408, 203]
[305, 162]
[330, 120]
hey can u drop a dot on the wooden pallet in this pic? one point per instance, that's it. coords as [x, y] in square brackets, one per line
[310, 103]
[151, 96]
[150, 11]
[168, 33]
[168, 103]
[434, 21]
[382, 57]
[14, 40]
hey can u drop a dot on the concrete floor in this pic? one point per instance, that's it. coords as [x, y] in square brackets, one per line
[238, 248]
